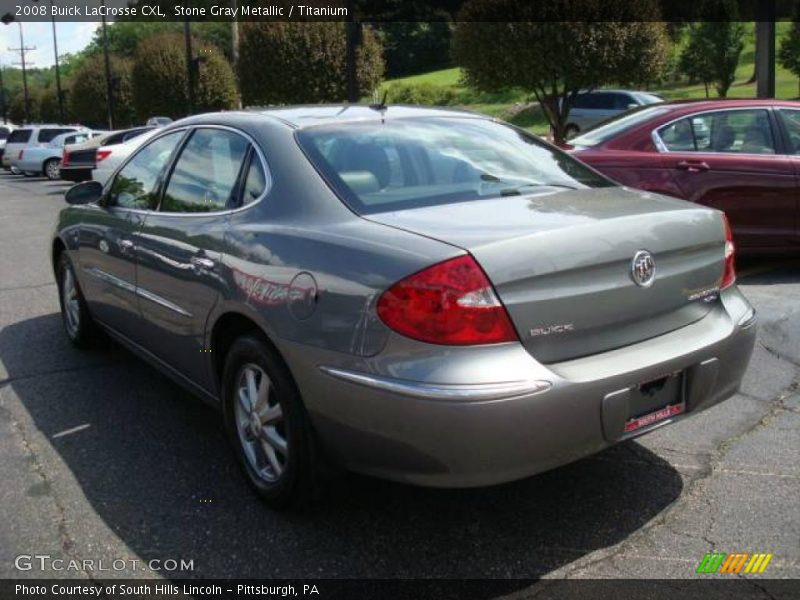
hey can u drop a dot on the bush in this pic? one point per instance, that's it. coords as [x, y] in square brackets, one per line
[160, 81]
[87, 98]
[16, 107]
[296, 63]
[422, 93]
[416, 47]
[48, 107]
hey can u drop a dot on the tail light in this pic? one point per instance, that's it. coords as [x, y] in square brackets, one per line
[64, 158]
[101, 155]
[450, 303]
[19, 156]
[729, 274]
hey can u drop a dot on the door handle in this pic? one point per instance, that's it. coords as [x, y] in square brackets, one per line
[201, 262]
[693, 166]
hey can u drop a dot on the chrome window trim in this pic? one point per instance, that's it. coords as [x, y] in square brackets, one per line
[215, 213]
[135, 290]
[661, 147]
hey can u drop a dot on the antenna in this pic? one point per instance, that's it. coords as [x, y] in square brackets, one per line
[382, 104]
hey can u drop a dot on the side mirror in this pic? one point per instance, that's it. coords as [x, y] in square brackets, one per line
[84, 193]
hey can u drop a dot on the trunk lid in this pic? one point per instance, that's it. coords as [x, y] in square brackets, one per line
[561, 262]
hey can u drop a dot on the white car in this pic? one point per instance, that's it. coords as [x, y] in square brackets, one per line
[108, 158]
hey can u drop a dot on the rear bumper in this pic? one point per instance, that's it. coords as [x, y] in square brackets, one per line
[76, 174]
[456, 420]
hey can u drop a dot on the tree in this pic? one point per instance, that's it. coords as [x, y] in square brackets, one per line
[160, 80]
[789, 51]
[293, 63]
[715, 44]
[16, 107]
[48, 107]
[556, 49]
[87, 98]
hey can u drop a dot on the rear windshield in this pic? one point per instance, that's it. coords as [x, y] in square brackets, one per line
[611, 127]
[19, 136]
[408, 163]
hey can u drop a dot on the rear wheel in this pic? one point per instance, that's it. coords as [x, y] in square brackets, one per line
[52, 168]
[78, 324]
[267, 424]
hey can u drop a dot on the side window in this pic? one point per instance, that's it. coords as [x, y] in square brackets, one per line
[135, 185]
[46, 135]
[735, 132]
[791, 120]
[255, 183]
[205, 174]
[678, 136]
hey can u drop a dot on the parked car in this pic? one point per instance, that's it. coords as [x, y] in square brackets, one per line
[109, 157]
[417, 294]
[158, 121]
[739, 156]
[78, 161]
[45, 159]
[31, 136]
[591, 108]
[5, 131]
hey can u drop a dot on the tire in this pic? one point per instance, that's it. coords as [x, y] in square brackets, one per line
[282, 478]
[78, 324]
[52, 169]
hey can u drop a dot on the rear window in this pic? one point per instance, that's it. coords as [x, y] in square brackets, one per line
[409, 163]
[616, 125]
[20, 136]
[602, 101]
[45, 135]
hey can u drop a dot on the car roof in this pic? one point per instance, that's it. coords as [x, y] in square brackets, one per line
[299, 117]
[720, 103]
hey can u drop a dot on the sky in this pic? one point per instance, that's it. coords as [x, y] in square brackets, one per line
[72, 36]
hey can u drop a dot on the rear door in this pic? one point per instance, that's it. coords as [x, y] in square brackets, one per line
[17, 140]
[181, 247]
[789, 119]
[730, 160]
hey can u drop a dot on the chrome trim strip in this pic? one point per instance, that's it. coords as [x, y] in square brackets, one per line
[162, 301]
[437, 391]
[129, 287]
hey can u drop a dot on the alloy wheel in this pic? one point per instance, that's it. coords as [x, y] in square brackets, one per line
[260, 423]
[72, 309]
[53, 169]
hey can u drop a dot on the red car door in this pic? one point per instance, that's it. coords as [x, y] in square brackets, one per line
[789, 119]
[729, 159]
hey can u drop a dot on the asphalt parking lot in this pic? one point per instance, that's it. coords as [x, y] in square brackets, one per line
[101, 457]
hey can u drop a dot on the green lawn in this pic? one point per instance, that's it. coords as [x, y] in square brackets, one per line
[515, 105]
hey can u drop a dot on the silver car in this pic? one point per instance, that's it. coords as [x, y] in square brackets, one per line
[423, 295]
[45, 159]
[593, 107]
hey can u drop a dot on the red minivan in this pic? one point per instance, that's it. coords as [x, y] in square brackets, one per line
[740, 156]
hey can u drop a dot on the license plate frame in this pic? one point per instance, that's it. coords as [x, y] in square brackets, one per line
[656, 401]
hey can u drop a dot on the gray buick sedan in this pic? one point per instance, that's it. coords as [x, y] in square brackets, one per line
[429, 296]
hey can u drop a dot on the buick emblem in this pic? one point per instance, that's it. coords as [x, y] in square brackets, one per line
[643, 269]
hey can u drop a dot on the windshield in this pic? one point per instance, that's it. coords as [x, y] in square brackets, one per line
[409, 163]
[607, 129]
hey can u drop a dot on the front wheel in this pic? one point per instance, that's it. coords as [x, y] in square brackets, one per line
[267, 424]
[78, 324]
[52, 168]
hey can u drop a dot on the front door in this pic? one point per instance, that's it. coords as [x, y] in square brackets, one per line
[730, 160]
[108, 242]
[181, 248]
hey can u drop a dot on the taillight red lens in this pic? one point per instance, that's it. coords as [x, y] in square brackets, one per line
[101, 155]
[19, 156]
[729, 274]
[64, 158]
[451, 303]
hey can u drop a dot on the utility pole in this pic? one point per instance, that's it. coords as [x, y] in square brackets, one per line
[109, 87]
[765, 49]
[22, 50]
[3, 96]
[58, 73]
[187, 34]
[235, 52]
